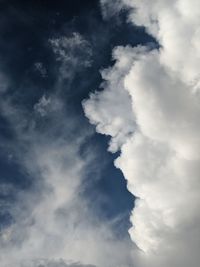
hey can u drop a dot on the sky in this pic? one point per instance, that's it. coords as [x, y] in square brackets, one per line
[99, 133]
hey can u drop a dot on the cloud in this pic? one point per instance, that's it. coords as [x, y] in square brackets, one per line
[160, 158]
[74, 53]
[110, 8]
[52, 218]
[39, 67]
[52, 263]
[47, 105]
[113, 113]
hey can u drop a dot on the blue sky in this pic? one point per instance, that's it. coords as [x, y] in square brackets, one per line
[25, 51]
[51, 56]
[99, 133]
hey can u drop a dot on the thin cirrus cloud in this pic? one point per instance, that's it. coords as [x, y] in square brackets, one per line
[52, 219]
[149, 106]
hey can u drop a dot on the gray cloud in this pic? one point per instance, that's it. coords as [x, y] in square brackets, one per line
[52, 263]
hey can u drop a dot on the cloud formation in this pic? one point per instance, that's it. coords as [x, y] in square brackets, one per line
[159, 135]
[113, 115]
[52, 219]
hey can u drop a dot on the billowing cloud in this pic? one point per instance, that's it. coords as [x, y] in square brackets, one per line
[160, 158]
[113, 114]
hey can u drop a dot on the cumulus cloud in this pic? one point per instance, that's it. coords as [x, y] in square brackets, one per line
[113, 114]
[160, 159]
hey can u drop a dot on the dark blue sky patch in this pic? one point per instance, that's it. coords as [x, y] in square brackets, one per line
[12, 173]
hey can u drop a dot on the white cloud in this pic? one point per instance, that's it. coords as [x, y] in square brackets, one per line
[160, 160]
[113, 113]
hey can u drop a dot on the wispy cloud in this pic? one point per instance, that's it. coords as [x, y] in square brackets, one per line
[52, 219]
[74, 53]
